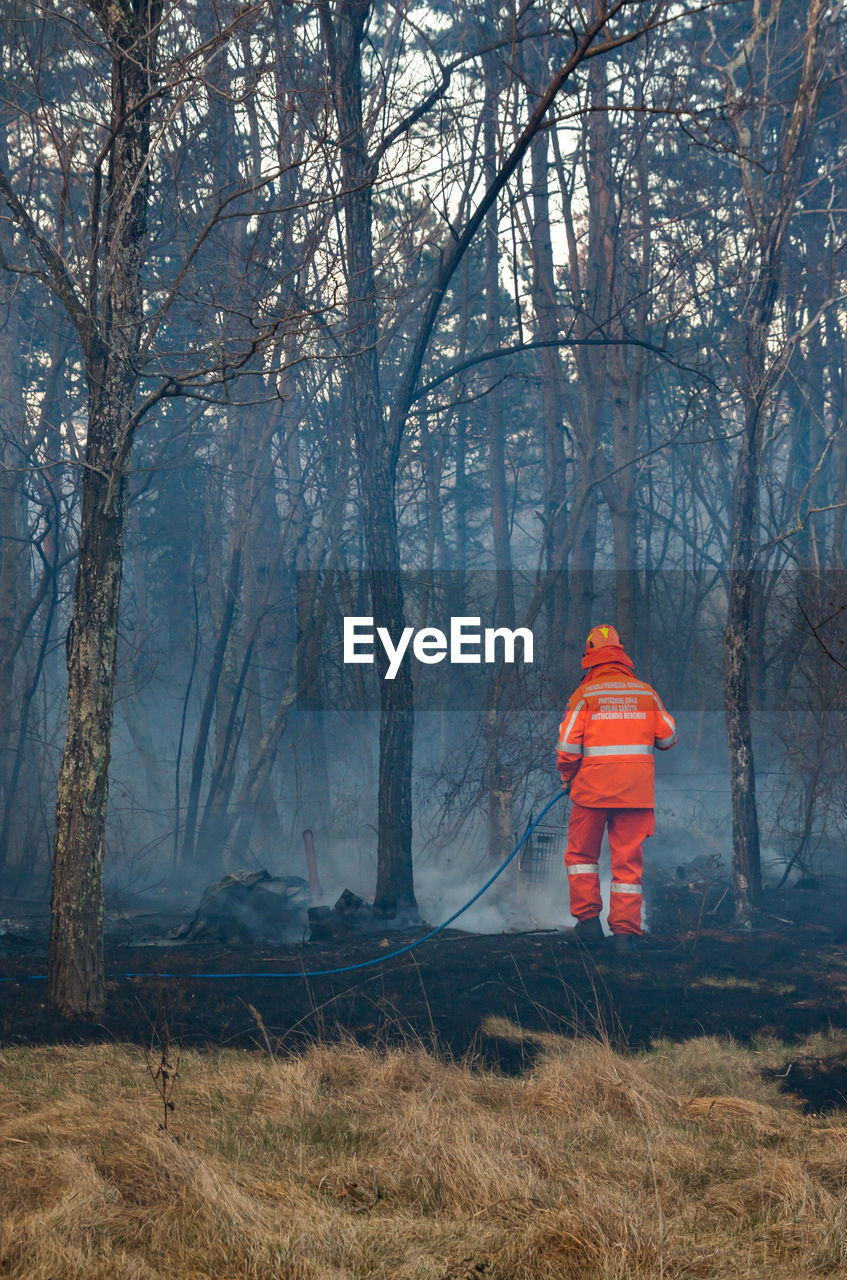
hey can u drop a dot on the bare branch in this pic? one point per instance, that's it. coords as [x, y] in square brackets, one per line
[57, 274]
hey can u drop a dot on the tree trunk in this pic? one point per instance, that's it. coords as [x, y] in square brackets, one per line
[606, 297]
[581, 585]
[75, 961]
[746, 862]
[344, 32]
[839, 549]
[13, 536]
[314, 808]
[590, 275]
[552, 403]
[210, 699]
[500, 783]
[498, 489]
[770, 207]
[76, 980]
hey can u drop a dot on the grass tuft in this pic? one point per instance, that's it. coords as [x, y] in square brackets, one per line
[344, 1163]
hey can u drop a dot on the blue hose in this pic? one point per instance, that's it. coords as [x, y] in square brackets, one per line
[345, 968]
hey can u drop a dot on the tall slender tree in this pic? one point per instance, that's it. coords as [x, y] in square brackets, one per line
[770, 194]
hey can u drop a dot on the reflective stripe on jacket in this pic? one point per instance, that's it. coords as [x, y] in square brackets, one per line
[611, 726]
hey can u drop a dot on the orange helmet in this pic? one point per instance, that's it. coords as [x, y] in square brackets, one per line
[599, 637]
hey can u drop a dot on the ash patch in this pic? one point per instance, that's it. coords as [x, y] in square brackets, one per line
[819, 1083]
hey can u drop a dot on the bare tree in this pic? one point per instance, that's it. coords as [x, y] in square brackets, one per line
[104, 299]
[380, 435]
[770, 191]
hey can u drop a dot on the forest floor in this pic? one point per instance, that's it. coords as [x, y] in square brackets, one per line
[785, 985]
[499, 1107]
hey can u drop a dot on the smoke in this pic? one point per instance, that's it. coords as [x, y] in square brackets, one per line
[693, 822]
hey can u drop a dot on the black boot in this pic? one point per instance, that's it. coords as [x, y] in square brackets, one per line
[625, 944]
[590, 932]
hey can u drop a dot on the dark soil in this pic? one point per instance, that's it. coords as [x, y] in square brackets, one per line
[786, 984]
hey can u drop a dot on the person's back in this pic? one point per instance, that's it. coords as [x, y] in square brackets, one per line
[612, 724]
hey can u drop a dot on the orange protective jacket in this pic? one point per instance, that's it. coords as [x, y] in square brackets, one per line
[611, 726]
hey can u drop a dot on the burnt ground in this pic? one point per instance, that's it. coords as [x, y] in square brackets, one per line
[785, 984]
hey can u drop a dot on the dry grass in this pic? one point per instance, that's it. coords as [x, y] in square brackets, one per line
[346, 1162]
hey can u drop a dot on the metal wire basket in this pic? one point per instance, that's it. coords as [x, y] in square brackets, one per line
[542, 856]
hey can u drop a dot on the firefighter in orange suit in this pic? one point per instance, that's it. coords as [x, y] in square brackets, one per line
[611, 726]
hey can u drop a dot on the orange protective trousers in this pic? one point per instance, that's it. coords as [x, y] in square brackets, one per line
[628, 829]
